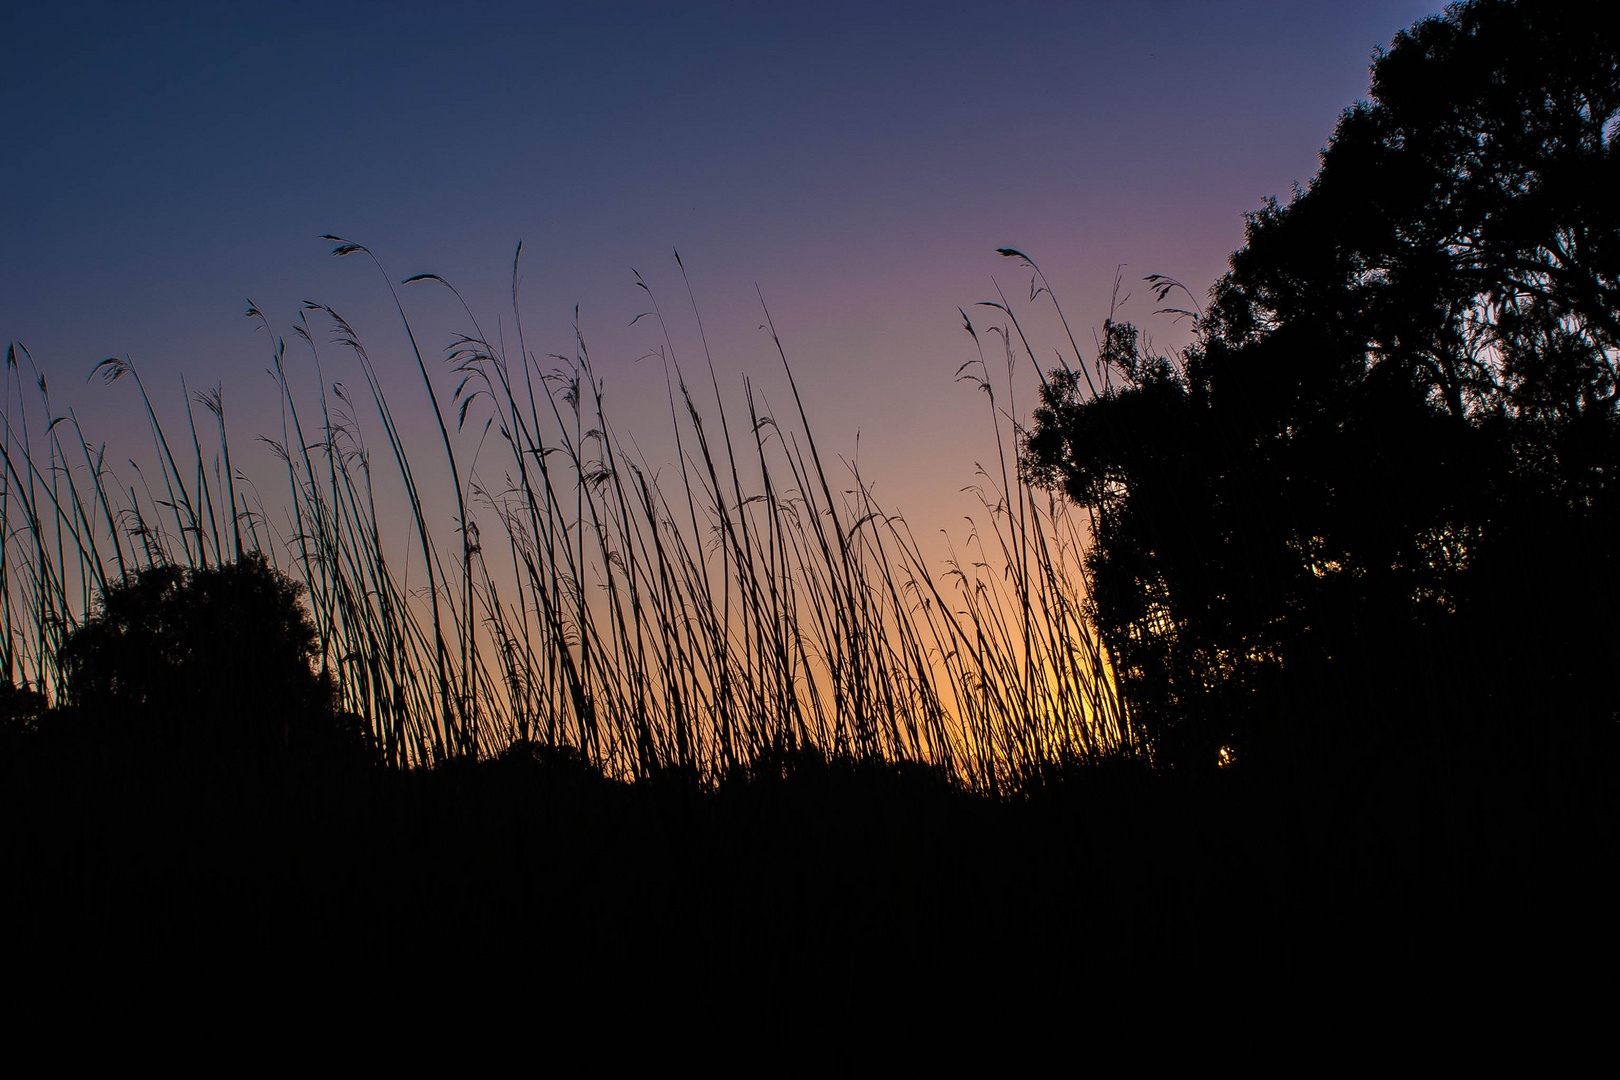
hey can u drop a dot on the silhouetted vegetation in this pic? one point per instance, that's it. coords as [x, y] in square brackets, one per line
[1380, 486]
[220, 654]
[1324, 677]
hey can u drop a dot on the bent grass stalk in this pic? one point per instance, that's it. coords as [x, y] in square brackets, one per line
[727, 620]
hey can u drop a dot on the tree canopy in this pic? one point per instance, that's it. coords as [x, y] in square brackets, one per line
[218, 657]
[1392, 448]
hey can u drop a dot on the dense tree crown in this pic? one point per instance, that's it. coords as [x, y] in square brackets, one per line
[1392, 450]
[221, 654]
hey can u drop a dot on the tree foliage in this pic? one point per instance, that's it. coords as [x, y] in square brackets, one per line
[218, 656]
[1392, 449]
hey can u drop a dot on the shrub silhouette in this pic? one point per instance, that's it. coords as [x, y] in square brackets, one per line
[209, 660]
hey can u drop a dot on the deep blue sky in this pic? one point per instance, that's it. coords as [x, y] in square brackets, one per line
[859, 163]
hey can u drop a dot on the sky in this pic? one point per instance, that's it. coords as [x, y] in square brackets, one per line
[854, 165]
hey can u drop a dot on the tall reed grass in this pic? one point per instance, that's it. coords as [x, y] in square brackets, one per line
[757, 605]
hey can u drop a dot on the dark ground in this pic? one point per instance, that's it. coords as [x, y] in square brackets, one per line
[123, 853]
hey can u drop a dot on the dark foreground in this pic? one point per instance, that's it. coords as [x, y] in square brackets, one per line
[124, 852]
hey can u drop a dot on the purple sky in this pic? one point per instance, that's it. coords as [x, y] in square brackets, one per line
[858, 163]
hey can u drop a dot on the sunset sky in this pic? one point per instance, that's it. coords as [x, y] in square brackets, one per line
[859, 164]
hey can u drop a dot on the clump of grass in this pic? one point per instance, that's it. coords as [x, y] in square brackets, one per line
[747, 611]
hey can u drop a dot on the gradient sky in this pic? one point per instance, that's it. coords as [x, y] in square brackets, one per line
[858, 163]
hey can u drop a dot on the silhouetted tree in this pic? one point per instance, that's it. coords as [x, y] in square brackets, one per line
[1393, 448]
[219, 658]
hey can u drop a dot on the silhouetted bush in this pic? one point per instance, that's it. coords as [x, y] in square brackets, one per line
[216, 659]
